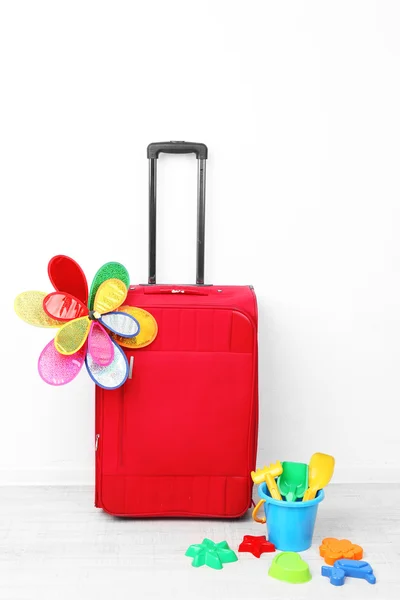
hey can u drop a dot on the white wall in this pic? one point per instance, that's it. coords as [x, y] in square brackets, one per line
[299, 105]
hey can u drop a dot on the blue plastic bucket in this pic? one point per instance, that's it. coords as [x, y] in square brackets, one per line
[290, 525]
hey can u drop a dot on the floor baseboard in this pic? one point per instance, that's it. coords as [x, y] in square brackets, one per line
[49, 476]
[85, 476]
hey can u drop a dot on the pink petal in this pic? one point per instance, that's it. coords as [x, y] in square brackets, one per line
[58, 369]
[100, 345]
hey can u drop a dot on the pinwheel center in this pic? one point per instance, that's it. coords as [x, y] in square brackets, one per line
[94, 315]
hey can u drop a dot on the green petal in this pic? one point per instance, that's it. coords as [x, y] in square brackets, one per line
[111, 270]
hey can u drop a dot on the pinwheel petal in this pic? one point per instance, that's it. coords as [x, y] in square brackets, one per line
[111, 270]
[58, 369]
[110, 295]
[29, 308]
[100, 345]
[112, 376]
[64, 307]
[72, 336]
[67, 276]
[148, 328]
[121, 324]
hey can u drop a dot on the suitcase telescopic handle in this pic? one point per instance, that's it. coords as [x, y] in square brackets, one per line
[201, 151]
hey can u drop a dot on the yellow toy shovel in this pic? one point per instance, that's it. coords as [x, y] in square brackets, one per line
[320, 471]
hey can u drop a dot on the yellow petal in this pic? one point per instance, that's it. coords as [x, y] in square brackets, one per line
[72, 336]
[148, 328]
[110, 295]
[29, 308]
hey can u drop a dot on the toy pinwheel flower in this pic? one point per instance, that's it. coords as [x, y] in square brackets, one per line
[88, 323]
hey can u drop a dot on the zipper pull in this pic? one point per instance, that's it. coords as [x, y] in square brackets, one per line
[96, 443]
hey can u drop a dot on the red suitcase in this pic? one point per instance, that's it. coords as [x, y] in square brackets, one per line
[180, 437]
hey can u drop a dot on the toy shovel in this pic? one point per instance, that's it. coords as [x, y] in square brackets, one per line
[320, 471]
[294, 480]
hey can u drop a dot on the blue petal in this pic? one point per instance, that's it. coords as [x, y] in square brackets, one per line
[112, 376]
[121, 323]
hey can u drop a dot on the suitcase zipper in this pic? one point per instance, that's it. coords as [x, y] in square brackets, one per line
[121, 426]
[98, 471]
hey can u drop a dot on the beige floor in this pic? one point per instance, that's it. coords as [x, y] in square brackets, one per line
[54, 544]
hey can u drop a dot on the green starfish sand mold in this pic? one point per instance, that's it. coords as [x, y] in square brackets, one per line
[211, 554]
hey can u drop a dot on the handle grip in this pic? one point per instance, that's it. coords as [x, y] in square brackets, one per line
[200, 150]
[175, 290]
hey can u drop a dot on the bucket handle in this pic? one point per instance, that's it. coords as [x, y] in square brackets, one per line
[255, 511]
